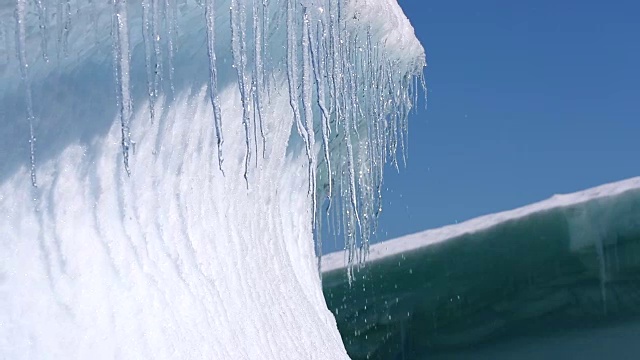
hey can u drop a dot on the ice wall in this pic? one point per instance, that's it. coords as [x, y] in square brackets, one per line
[163, 164]
[549, 278]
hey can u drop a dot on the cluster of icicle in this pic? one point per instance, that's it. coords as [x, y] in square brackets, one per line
[347, 98]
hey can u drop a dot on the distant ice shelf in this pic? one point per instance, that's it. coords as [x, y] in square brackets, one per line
[548, 273]
[412, 242]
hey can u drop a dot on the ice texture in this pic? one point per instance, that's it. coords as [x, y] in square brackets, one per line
[175, 209]
[539, 281]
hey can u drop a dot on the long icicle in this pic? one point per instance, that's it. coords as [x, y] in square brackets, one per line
[308, 109]
[209, 14]
[265, 44]
[319, 68]
[64, 26]
[122, 74]
[171, 24]
[238, 29]
[42, 17]
[258, 70]
[157, 50]
[348, 112]
[146, 39]
[21, 9]
[292, 74]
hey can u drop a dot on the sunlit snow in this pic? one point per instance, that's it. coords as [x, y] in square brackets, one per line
[154, 200]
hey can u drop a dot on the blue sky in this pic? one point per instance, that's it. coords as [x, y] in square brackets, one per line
[526, 99]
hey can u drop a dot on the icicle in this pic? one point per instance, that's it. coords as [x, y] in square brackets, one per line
[319, 68]
[209, 14]
[174, 23]
[42, 17]
[146, 33]
[423, 86]
[347, 122]
[292, 74]
[258, 71]
[171, 14]
[122, 73]
[64, 25]
[339, 109]
[59, 24]
[255, 129]
[374, 132]
[367, 158]
[403, 140]
[265, 43]
[155, 32]
[335, 73]
[238, 29]
[351, 84]
[415, 93]
[21, 10]
[393, 131]
[308, 110]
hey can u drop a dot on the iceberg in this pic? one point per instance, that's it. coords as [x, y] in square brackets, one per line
[555, 277]
[165, 164]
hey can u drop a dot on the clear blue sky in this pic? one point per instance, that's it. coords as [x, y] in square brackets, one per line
[526, 99]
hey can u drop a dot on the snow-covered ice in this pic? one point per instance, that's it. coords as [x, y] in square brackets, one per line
[544, 280]
[173, 211]
[413, 242]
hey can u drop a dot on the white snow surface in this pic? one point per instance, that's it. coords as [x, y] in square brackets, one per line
[388, 23]
[174, 262]
[178, 260]
[412, 242]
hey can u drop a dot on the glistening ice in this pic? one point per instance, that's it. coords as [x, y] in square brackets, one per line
[165, 164]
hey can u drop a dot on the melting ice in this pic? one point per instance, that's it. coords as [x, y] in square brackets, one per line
[203, 220]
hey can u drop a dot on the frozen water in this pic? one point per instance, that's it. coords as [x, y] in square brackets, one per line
[540, 281]
[135, 243]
